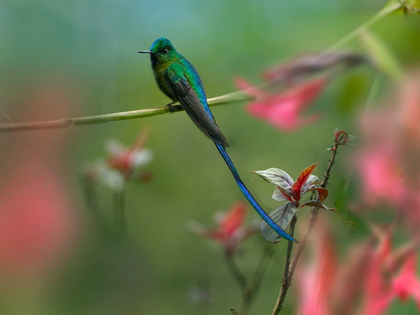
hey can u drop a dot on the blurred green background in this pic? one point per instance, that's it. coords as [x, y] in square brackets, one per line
[89, 48]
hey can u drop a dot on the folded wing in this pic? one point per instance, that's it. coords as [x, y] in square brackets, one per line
[191, 103]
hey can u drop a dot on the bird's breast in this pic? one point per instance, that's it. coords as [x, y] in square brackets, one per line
[159, 72]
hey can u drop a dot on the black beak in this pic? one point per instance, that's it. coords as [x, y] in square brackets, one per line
[144, 52]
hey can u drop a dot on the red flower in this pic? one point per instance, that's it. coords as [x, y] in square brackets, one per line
[284, 110]
[230, 230]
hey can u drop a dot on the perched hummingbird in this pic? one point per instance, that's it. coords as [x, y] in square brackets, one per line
[179, 80]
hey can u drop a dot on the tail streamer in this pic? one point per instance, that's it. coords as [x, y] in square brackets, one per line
[248, 195]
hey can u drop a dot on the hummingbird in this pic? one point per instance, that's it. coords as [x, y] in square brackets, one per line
[177, 78]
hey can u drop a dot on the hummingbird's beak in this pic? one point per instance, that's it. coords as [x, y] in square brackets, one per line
[144, 52]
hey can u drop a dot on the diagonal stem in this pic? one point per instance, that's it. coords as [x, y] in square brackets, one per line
[234, 269]
[119, 210]
[288, 276]
[252, 287]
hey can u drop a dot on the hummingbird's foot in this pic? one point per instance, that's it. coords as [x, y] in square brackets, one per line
[169, 105]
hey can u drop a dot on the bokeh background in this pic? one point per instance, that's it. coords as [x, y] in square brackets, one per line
[59, 254]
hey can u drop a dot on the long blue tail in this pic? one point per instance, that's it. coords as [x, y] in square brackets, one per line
[250, 198]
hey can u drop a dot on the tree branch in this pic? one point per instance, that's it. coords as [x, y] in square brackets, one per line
[234, 97]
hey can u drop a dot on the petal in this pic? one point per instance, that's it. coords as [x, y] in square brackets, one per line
[198, 229]
[276, 177]
[141, 157]
[114, 180]
[114, 147]
[282, 216]
[407, 283]
[312, 179]
[322, 192]
[301, 180]
[283, 110]
[234, 218]
[245, 86]
[259, 109]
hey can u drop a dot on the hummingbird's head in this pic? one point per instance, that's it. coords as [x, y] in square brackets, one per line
[161, 51]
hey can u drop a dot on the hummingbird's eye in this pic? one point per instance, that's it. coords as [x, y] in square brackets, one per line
[165, 51]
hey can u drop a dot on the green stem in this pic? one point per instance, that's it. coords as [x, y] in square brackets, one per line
[119, 210]
[381, 14]
[234, 269]
[234, 97]
[253, 285]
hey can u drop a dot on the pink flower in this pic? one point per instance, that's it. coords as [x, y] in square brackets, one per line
[374, 276]
[284, 110]
[383, 284]
[39, 224]
[388, 161]
[231, 229]
[316, 281]
[382, 176]
[407, 284]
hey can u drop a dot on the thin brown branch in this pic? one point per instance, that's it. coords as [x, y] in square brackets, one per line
[234, 97]
[287, 280]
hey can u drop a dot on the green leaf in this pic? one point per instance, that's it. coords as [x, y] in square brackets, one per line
[276, 177]
[282, 216]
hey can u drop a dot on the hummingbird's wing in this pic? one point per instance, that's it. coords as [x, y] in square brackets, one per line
[194, 107]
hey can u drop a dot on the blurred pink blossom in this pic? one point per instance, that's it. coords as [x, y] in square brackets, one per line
[121, 163]
[407, 283]
[376, 278]
[382, 176]
[38, 222]
[316, 280]
[230, 231]
[387, 162]
[284, 110]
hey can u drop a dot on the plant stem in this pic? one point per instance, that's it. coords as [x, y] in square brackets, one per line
[234, 97]
[252, 286]
[286, 281]
[378, 16]
[233, 267]
[119, 210]
[291, 266]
